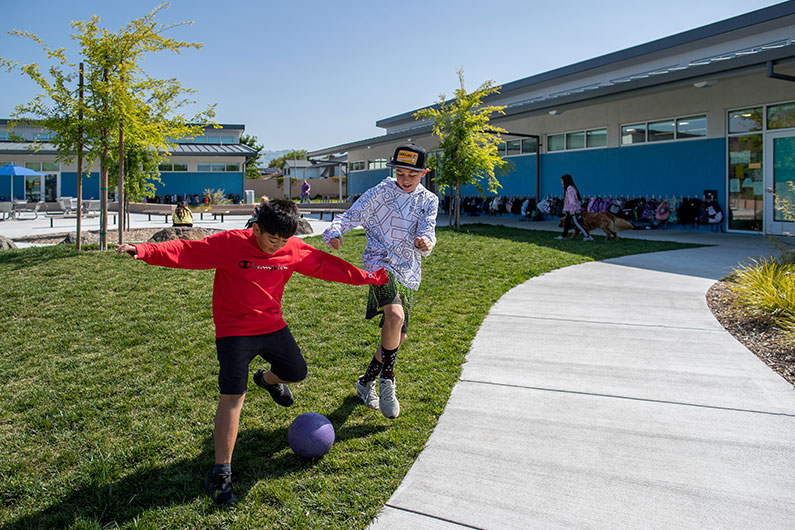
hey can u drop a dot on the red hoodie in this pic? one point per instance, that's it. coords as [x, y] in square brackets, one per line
[248, 285]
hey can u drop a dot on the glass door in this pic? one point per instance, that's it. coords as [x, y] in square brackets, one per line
[780, 183]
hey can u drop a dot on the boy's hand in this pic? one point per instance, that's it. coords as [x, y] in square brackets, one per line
[335, 242]
[380, 276]
[423, 244]
[129, 249]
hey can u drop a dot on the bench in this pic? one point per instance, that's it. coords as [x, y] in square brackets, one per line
[332, 208]
[164, 210]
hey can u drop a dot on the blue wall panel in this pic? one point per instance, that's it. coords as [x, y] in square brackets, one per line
[90, 185]
[196, 183]
[361, 181]
[685, 168]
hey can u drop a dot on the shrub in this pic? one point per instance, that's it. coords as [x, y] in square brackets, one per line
[766, 288]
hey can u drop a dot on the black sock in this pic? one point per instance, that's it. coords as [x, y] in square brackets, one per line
[388, 358]
[372, 371]
[221, 469]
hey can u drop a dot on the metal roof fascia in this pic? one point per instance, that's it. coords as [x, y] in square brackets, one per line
[759, 16]
[377, 140]
[696, 72]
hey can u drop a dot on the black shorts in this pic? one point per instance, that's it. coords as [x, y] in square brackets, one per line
[236, 353]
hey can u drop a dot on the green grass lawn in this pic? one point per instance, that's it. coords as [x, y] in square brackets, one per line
[109, 385]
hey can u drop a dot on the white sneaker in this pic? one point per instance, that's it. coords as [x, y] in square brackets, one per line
[388, 402]
[560, 237]
[367, 393]
[589, 238]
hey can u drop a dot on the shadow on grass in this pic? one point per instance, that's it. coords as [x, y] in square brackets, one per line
[181, 482]
[597, 250]
[16, 259]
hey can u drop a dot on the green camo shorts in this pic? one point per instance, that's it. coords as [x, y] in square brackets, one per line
[393, 292]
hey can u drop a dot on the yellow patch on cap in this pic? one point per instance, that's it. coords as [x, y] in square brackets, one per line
[407, 157]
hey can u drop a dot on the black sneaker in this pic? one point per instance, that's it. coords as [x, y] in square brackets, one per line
[220, 489]
[279, 392]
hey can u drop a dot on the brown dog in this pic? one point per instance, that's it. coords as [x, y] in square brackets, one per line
[606, 221]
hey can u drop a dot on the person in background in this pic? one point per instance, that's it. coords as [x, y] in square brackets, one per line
[572, 209]
[305, 188]
[182, 216]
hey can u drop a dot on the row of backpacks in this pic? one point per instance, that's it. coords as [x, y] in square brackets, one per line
[475, 205]
[642, 212]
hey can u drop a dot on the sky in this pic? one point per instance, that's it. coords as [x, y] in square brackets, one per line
[311, 74]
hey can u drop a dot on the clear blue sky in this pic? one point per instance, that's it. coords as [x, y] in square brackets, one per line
[317, 73]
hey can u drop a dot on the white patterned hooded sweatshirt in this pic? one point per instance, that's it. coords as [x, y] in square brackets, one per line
[392, 219]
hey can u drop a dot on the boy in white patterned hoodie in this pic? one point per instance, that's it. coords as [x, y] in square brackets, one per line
[399, 218]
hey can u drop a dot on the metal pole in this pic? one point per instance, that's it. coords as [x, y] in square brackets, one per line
[80, 163]
[103, 177]
[120, 195]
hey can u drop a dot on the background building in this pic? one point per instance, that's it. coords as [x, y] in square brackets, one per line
[216, 160]
[712, 108]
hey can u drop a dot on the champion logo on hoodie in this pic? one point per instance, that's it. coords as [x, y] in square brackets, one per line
[245, 264]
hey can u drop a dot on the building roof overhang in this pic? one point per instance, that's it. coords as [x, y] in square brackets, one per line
[713, 69]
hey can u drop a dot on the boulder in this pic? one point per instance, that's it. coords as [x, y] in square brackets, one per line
[86, 238]
[181, 232]
[304, 227]
[6, 243]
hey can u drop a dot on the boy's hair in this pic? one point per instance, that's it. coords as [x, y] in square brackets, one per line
[278, 217]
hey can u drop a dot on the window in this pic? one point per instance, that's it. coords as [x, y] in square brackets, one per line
[378, 163]
[633, 134]
[661, 130]
[357, 166]
[218, 167]
[501, 148]
[575, 140]
[165, 167]
[664, 130]
[3, 136]
[232, 167]
[203, 167]
[556, 142]
[513, 147]
[227, 139]
[530, 145]
[691, 127]
[781, 116]
[43, 166]
[596, 138]
[745, 120]
[180, 167]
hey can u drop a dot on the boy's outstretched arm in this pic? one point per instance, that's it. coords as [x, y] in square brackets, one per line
[129, 249]
[319, 264]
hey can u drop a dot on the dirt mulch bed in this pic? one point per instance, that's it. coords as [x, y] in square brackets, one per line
[766, 340]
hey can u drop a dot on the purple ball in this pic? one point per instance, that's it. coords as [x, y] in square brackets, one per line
[311, 435]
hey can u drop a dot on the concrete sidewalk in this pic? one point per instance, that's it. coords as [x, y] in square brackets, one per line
[607, 396]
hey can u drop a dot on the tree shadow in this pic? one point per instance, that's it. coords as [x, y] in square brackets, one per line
[22, 258]
[259, 453]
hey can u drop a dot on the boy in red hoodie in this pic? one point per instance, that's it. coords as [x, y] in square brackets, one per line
[251, 268]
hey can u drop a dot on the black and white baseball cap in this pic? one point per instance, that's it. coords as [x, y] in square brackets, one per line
[409, 156]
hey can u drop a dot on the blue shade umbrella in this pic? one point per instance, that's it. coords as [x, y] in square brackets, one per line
[14, 170]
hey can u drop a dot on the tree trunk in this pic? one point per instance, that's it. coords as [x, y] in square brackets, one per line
[458, 205]
[120, 198]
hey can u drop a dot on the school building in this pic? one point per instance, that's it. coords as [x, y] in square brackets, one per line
[709, 110]
[214, 160]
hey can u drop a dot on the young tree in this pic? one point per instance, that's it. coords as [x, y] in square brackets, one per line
[467, 142]
[124, 109]
[251, 163]
[298, 154]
